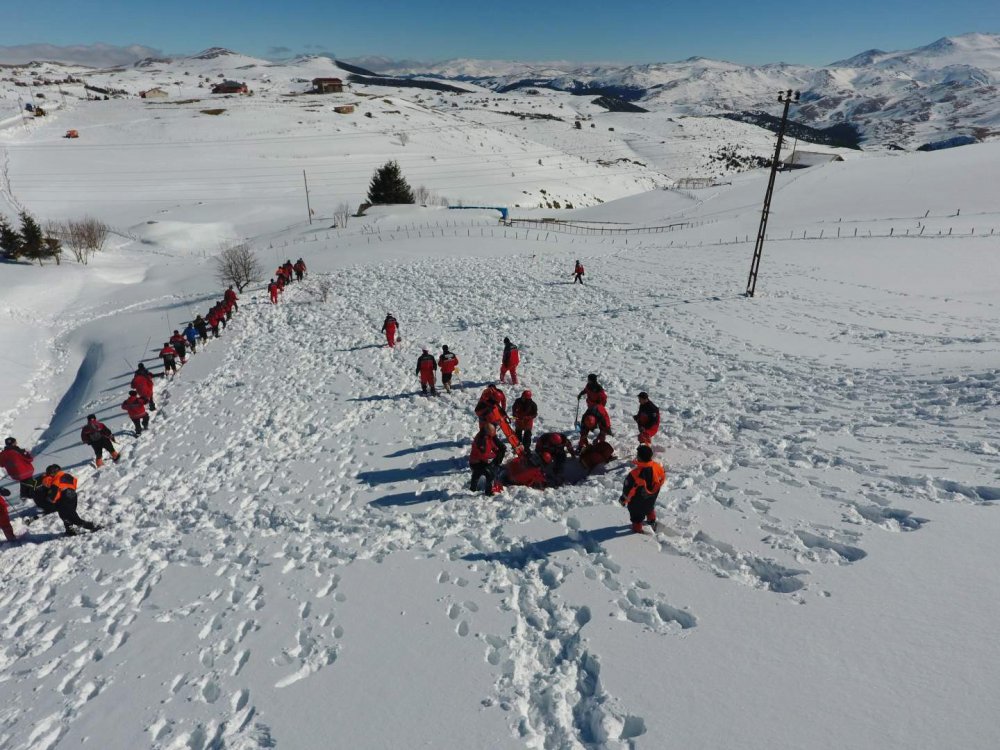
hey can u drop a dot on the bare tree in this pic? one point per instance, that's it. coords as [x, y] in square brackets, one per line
[341, 214]
[421, 195]
[93, 232]
[237, 265]
[83, 237]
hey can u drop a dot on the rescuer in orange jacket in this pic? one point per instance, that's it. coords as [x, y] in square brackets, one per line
[57, 494]
[642, 486]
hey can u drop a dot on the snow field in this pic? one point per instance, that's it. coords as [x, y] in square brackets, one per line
[298, 488]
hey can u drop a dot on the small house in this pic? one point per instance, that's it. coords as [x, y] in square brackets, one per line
[154, 94]
[230, 87]
[803, 159]
[328, 86]
[344, 109]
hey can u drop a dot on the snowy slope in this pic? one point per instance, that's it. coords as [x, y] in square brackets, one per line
[293, 558]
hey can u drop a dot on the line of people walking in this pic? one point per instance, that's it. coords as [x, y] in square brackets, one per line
[55, 489]
[283, 276]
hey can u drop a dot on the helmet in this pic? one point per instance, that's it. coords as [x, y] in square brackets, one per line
[176, 332]
[546, 457]
[506, 340]
[91, 416]
[589, 421]
[444, 347]
[10, 441]
[52, 468]
[132, 393]
[644, 453]
[643, 395]
[526, 394]
[592, 378]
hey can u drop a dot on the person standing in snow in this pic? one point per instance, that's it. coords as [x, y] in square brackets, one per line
[427, 369]
[179, 343]
[231, 299]
[272, 289]
[142, 381]
[648, 419]
[389, 327]
[300, 269]
[486, 456]
[594, 391]
[511, 359]
[169, 356]
[642, 487]
[5, 526]
[524, 411]
[448, 363]
[289, 270]
[578, 272]
[201, 327]
[99, 437]
[57, 494]
[135, 407]
[191, 334]
[19, 465]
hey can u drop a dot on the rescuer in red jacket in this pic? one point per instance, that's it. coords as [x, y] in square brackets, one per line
[594, 391]
[135, 407]
[143, 383]
[389, 327]
[486, 455]
[578, 272]
[648, 419]
[99, 437]
[19, 464]
[5, 526]
[525, 411]
[427, 370]
[511, 359]
[448, 363]
[595, 418]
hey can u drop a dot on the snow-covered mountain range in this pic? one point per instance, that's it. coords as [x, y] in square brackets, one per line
[946, 88]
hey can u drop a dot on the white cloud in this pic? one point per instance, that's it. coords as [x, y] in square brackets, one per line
[95, 55]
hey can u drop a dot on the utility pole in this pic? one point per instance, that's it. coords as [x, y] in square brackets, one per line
[786, 98]
[304, 180]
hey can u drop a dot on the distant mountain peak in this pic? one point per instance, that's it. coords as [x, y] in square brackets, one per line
[212, 52]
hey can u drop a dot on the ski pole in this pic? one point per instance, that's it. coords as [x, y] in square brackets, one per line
[576, 417]
[145, 348]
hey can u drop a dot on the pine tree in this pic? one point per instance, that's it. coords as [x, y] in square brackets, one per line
[389, 186]
[10, 240]
[32, 240]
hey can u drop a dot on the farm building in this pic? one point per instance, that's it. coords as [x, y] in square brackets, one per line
[328, 86]
[344, 109]
[230, 87]
[803, 159]
[154, 94]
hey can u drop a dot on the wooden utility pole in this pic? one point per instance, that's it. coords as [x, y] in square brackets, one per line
[306, 182]
[786, 97]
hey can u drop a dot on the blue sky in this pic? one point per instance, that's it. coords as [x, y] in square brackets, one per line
[745, 31]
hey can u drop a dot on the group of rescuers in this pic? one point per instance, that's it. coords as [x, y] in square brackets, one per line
[542, 465]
